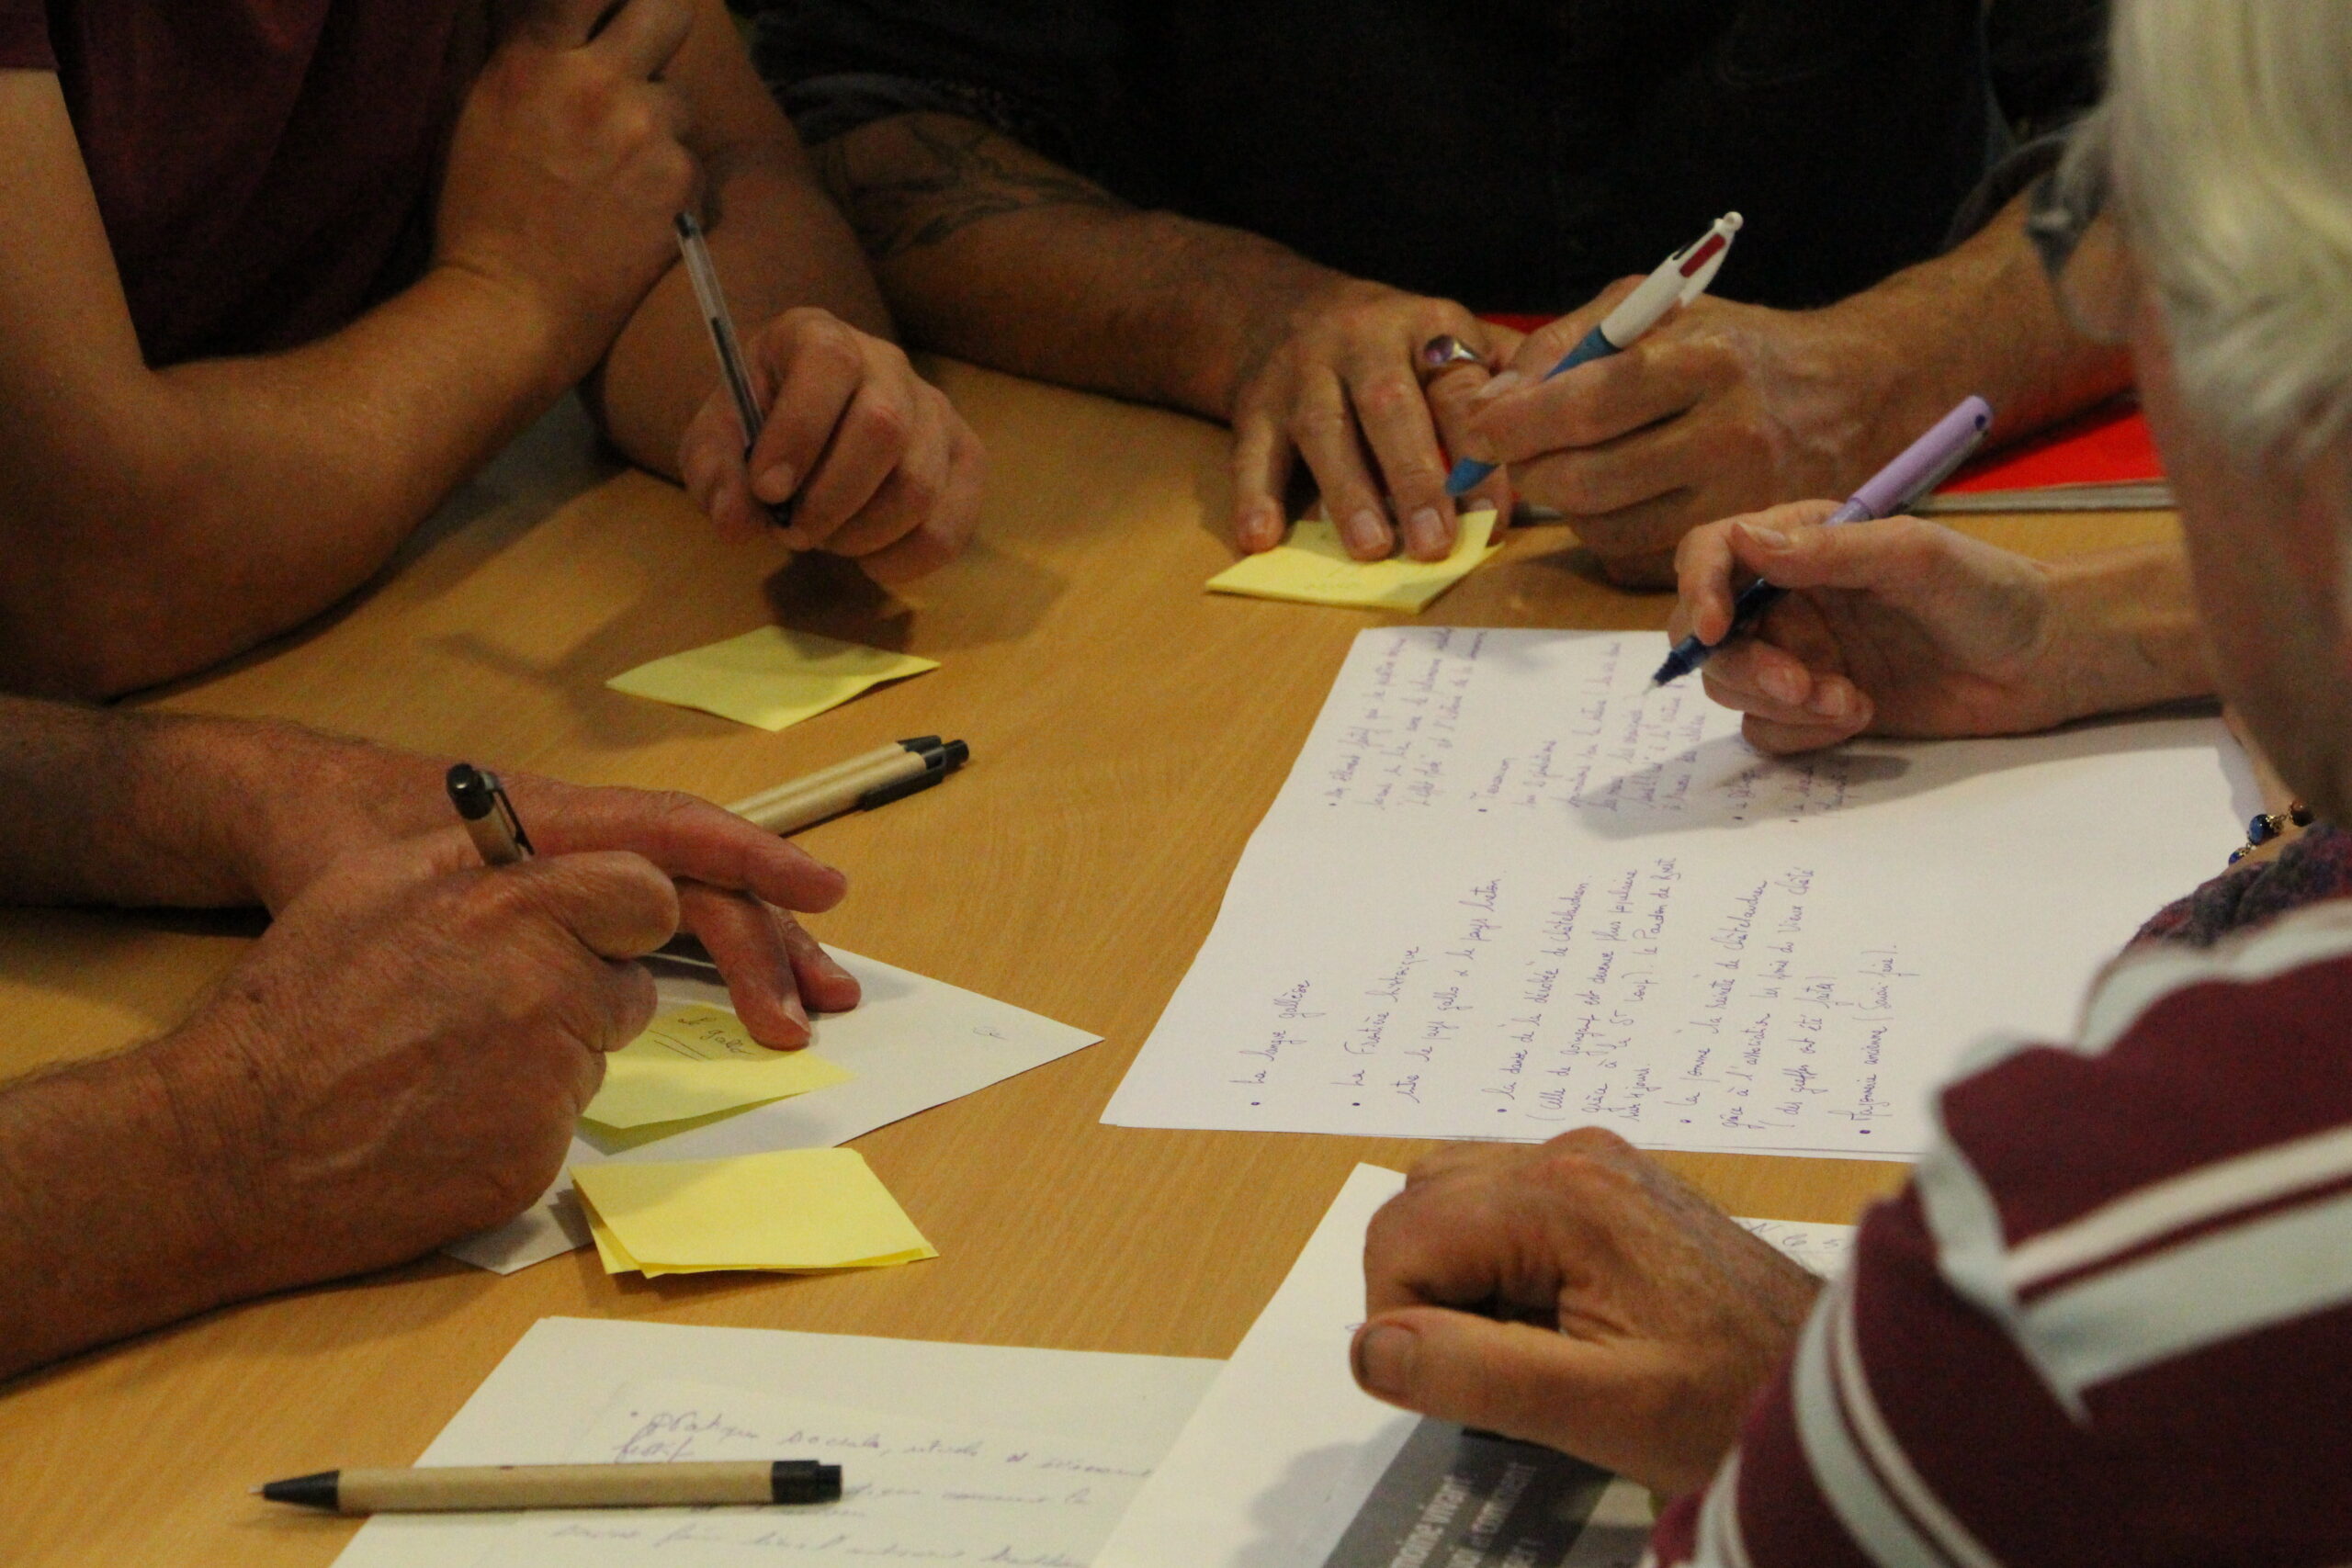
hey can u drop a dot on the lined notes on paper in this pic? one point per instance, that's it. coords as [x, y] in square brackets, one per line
[912, 1489]
[941, 1446]
[1508, 890]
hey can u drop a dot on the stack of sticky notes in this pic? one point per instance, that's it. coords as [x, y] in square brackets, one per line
[693, 1062]
[772, 677]
[792, 1210]
[1312, 567]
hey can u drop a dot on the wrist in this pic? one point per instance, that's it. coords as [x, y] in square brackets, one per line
[1288, 296]
[2125, 632]
[212, 1111]
[511, 319]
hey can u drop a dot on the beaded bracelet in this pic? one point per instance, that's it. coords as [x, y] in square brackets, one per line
[2265, 826]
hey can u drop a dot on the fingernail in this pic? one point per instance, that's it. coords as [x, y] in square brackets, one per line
[1262, 528]
[777, 482]
[1425, 533]
[1384, 1359]
[1768, 538]
[1498, 387]
[1366, 534]
[1828, 701]
[1782, 685]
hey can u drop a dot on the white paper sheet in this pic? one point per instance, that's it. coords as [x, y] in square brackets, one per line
[573, 1388]
[1285, 1451]
[913, 1043]
[1508, 890]
[913, 1487]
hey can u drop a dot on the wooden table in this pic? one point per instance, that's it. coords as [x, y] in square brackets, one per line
[1128, 731]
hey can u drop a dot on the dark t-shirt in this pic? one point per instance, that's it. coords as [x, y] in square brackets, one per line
[263, 167]
[1515, 154]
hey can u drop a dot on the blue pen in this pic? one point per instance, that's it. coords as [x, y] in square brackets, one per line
[1923, 465]
[1680, 278]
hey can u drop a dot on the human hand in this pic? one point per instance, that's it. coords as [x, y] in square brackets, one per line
[1723, 408]
[884, 469]
[399, 1059]
[1576, 1294]
[1895, 627]
[568, 163]
[734, 880]
[1340, 375]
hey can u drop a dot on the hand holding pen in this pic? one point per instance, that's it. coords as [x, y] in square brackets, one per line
[735, 882]
[1916, 471]
[1903, 627]
[827, 434]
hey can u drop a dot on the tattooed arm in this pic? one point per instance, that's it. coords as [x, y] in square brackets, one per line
[991, 252]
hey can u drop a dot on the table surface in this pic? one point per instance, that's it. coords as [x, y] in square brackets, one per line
[1128, 730]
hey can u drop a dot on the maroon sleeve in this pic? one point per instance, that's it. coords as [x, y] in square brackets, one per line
[24, 37]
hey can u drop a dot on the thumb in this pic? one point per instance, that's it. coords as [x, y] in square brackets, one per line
[1787, 547]
[1514, 1377]
[616, 904]
[1549, 343]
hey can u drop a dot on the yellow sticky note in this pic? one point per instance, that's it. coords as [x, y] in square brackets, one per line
[792, 1210]
[771, 678]
[694, 1060]
[1313, 567]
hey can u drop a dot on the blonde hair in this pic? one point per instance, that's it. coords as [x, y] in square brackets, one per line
[2228, 131]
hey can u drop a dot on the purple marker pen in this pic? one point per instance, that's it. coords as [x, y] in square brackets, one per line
[1923, 465]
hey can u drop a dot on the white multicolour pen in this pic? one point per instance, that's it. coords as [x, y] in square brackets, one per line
[1678, 279]
[723, 341]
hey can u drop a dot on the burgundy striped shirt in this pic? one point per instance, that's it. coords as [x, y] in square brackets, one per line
[2110, 1321]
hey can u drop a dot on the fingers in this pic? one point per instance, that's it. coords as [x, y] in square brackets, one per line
[1599, 401]
[941, 536]
[806, 367]
[742, 936]
[1453, 399]
[825, 986]
[1709, 557]
[775, 973]
[616, 904]
[908, 488]
[684, 835]
[1262, 464]
[1789, 706]
[1550, 343]
[710, 461]
[873, 436]
[643, 36]
[1394, 414]
[1324, 431]
[1526, 1383]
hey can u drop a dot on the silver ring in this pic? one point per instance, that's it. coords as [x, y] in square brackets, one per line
[1442, 354]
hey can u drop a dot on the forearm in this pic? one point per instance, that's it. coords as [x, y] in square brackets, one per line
[140, 809]
[778, 242]
[2128, 636]
[217, 504]
[991, 252]
[121, 1207]
[1981, 319]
